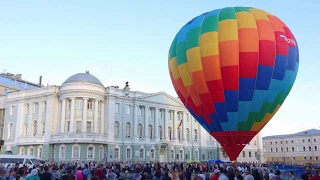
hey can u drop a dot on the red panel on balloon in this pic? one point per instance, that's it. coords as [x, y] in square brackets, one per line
[267, 52]
[248, 64]
[233, 141]
[216, 90]
[230, 77]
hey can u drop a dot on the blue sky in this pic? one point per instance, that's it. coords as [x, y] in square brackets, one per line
[120, 41]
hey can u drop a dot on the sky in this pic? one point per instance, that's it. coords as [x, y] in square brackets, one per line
[119, 41]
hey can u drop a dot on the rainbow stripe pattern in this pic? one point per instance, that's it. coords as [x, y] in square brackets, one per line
[233, 68]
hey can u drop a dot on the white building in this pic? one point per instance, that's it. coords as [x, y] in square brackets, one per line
[83, 120]
[301, 147]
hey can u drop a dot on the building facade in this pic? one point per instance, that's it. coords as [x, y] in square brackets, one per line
[9, 83]
[83, 120]
[301, 147]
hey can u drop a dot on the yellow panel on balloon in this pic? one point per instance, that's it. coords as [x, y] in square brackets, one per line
[228, 30]
[185, 75]
[194, 59]
[174, 68]
[258, 125]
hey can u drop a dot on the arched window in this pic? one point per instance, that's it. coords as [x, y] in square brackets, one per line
[170, 133]
[195, 135]
[90, 151]
[150, 130]
[196, 154]
[10, 126]
[116, 129]
[179, 133]
[128, 129]
[188, 134]
[31, 151]
[160, 132]
[34, 130]
[129, 152]
[140, 130]
[40, 152]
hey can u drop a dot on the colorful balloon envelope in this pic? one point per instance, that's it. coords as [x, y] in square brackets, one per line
[233, 69]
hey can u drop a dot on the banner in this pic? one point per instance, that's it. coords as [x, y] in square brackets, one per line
[285, 169]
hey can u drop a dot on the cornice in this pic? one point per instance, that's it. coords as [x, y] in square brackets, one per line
[81, 91]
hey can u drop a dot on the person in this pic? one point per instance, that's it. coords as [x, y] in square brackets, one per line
[111, 175]
[292, 176]
[223, 175]
[315, 176]
[157, 175]
[99, 173]
[46, 175]
[85, 172]
[248, 176]
[79, 174]
[33, 175]
[216, 174]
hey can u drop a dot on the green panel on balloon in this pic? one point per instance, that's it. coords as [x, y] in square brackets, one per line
[241, 9]
[173, 47]
[227, 13]
[210, 24]
[193, 38]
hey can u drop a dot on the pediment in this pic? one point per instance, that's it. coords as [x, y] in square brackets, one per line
[162, 98]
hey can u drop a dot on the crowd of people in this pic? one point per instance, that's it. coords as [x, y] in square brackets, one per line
[143, 171]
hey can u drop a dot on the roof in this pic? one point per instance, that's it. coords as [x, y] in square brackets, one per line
[83, 78]
[309, 132]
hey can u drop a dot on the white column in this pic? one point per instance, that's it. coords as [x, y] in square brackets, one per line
[184, 120]
[135, 121]
[166, 125]
[156, 123]
[84, 115]
[63, 116]
[39, 119]
[30, 119]
[72, 115]
[95, 120]
[146, 121]
[102, 129]
[175, 121]
[111, 118]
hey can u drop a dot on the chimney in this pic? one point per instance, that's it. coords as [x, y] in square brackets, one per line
[40, 81]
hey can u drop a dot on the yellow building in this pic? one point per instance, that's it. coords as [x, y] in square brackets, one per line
[301, 147]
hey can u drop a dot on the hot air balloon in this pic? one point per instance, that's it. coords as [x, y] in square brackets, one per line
[233, 69]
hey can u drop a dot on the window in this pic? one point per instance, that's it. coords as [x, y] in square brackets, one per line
[116, 153]
[78, 104]
[89, 127]
[90, 105]
[102, 152]
[141, 153]
[128, 129]
[243, 154]
[196, 155]
[141, 112]
[287, 149]
[78, 126]
[90, 152]
[76, 152]
[31, 151]
[282, 149]
[172, 154]
[292, 149]
[179, 134]
[310, 148]
[40, 152]
[152, 153]
[170, 133]
[315, 148]
[10, 126]
[304, 148]
[162, 111]
[62, 152]
[249, 153]
[255, 154]
[128, 109]
[160, 132]
[188, 134]
[188, 118]
[128, 153]
[150, 130]
[43, 126]
[271, 150]
[116, 129]
[314, 140]
[195, 135]
[22, 151]
[11, 110]
[181, 154]
[151, 112]
[309, 140]
[68, 126]
[140, 130]
[303, 140]
[34, 130]
[117, 108]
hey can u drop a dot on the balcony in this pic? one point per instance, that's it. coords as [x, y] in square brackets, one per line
[78, 137]
[30, 140]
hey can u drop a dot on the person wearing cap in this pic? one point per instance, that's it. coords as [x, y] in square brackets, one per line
[216, 174]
